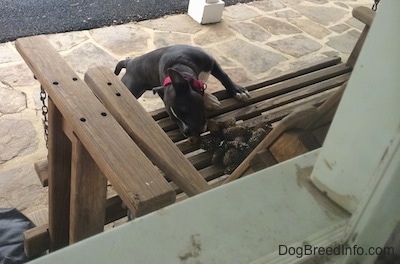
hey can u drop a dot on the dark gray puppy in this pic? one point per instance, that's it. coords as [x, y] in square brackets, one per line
[177, 74]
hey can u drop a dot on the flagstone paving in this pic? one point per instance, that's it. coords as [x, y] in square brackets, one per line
[253, 41]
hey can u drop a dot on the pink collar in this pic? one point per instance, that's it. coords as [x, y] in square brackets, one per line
[197, 85]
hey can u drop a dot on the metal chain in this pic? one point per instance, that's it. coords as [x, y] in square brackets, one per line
[45, 111]
[375, 5]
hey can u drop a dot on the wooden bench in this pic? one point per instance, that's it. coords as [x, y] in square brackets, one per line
[95, 138]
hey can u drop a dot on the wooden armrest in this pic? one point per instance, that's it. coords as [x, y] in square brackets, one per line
[144, 130]
[139, 184]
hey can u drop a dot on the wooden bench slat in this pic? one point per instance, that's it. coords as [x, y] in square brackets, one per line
[134, 177]
[324, 64]
[276, 114]
[287, 146]
[276, 101]
[284, 87]
[144, 130]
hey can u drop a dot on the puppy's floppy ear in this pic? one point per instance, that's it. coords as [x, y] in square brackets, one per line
[179, 83]
[159, 90]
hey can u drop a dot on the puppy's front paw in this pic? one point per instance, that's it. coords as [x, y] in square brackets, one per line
[241, 93]
[211, 102]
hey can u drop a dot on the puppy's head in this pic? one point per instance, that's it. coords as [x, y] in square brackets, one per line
[183, 104]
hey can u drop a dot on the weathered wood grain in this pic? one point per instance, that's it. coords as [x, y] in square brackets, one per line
[134, 177]
[88, 195]
[144, 130]
[59, 173]
[36, 240]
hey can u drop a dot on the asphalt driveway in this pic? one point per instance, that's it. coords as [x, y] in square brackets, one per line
[32, 17]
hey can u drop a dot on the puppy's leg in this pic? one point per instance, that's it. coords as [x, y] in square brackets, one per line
[203, 76]
[211, 102]
[233, 89]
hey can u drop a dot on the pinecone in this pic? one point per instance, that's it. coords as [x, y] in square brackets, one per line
[233, 157]
[232, 132]
[257, 137]
[210, 143]
[227, 123]
[238, 145]
[218, 156]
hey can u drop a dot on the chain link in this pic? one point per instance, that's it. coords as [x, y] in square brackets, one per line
[45, 111]
[375, 5]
